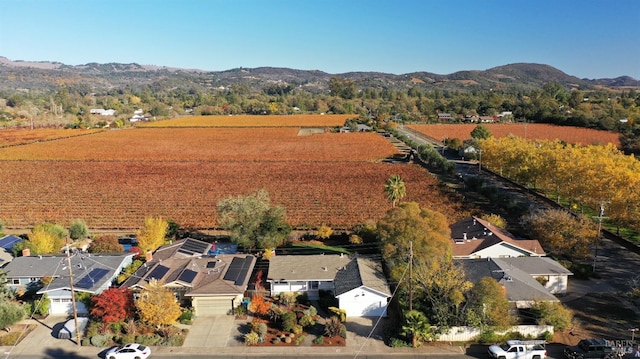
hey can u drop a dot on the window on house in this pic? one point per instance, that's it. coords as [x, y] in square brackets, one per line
[314, 284]
[33, 279]
[16, 281]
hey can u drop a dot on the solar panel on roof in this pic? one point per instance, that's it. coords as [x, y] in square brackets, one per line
[194, 246]
[8, 242]
[92, 278]
[238, 270]
[234, 269]
[158, 272]
[187, 276]
[244, 271]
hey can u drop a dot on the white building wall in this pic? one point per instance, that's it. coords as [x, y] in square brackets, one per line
[557, 284]
[363, 302]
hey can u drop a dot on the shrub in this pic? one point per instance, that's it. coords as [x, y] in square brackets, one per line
[343, 331]
[262, 329]
[297, 329]
[355, 239]
[340, 313]
[127, 338]
[332, 326]
[548, 336]
[307, 321]
[488, 337]
[173, 341]
[251, 338]
[318, 340]
[100, 340]
[288, 299]
[186, 316]
[553, 313]
[42, 305]
[299, 340]
[116, 327]
[289, 320]
[148, 339]
[399, 343]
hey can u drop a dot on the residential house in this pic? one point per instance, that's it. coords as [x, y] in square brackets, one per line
[53, 276]
[6, 248]
[444, 117]
[358, 283]
[213, 284]
[474, 237]
[102, 112]
[525, 279]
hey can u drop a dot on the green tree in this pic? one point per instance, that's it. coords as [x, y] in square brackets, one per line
[416, 326]
[395, 189]
[253, 221]
[488, 300]
[481, 132]
[553, 313]
[440, 287]
[152, 234]
[78, 230]
[11, 312]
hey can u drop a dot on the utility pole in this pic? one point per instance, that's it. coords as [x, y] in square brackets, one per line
[410, 275]
[600, 217]
[73, 296]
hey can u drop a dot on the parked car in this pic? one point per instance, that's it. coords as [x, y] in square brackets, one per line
[69, 330]
[129, 351]
[519, 349]
[590, 348]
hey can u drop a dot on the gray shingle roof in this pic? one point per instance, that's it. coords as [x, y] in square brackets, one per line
[361, 272]
[56, 266]
[520, 286]
[308, 267]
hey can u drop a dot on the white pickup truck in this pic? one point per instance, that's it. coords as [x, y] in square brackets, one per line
[519, 349]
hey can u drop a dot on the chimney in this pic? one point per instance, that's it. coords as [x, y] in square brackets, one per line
[149, 256]
[464, 236]
[26, 252]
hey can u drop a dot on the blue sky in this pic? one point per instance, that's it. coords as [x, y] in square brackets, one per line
[587, 39]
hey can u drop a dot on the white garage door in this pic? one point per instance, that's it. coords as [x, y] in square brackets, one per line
[63, 306]
[212, 306]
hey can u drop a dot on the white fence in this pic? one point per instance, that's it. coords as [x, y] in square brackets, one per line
[464, 334]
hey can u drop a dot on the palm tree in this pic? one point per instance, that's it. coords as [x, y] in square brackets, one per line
[395, 189]
[417, 327]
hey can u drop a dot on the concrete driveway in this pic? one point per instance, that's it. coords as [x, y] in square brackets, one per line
[216, 331]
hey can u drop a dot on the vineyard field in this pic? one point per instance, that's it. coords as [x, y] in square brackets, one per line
[13, 137]
[114, 179]
[306, 120]
[208, 144]
[533, 131]
[120, 194]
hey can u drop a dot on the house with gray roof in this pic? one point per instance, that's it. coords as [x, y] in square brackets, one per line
[525, 279]
[52, 275]
[213, 282]
[358, 283]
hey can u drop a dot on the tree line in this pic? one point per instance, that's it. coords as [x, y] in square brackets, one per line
[69, 105]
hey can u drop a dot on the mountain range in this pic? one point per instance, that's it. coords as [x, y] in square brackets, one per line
[46, 75]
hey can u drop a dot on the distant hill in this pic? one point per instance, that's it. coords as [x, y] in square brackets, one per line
[100, 77]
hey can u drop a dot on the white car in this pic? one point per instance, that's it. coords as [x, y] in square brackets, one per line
[129, 351]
